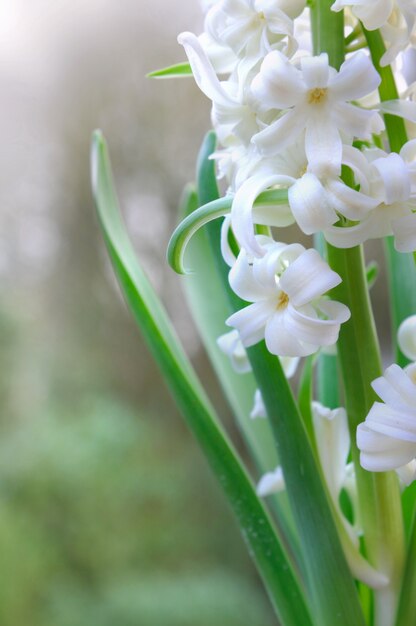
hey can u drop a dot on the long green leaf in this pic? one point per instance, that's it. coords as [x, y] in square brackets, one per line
[210, 305]
[180, 70]
[149, 314]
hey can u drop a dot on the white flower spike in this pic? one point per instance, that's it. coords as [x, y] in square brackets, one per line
[288, 310]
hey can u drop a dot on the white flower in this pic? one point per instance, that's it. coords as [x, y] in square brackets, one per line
[315, 98]
[231, 344]
[395, 18]
[286, 287]
[314, 202]
[391, 182]
[406, 337]
[387, 438]
[251, 28]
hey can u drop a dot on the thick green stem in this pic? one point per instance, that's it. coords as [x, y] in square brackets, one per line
[360, 363]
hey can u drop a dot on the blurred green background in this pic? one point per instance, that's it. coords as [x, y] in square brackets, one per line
[108, 513]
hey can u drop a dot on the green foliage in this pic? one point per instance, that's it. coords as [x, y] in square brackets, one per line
[93, 531]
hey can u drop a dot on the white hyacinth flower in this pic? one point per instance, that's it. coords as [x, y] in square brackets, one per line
[316, 98]
[288, 310]
[387, 438]
[395, 18]
[392, 184]
[406, 337]
[231, 344]
[251, 28]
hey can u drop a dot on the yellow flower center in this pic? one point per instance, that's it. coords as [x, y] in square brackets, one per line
[282, 301]
[315, 96]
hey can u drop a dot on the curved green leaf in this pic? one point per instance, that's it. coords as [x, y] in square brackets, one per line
[189, 226]
[255, 523]
[205, 214]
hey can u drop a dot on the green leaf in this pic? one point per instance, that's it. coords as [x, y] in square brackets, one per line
[179, 70]
[331, 586]
[210, 306]
[189, 226]
[255, 523]
[205, 214]
[305, 397]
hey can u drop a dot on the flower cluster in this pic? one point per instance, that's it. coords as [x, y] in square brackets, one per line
[287, 120]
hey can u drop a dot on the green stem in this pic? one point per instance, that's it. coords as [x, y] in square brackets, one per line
[360, 363]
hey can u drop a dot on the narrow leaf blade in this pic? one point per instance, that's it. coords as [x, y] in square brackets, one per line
[149, 314]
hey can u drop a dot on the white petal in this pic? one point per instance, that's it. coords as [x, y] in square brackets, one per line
[227, 253]
[204, 74]
[282, 343]
[307, 278]
[242, 281]
[380, 453]
[406, 337]
[323, 145]
[310, 330]
[397, 424]
[356, 78]
[279, 84]
[351, 203]
[356, 122]
[395, 388]
[394, 176]
[315, 71]
[242, 208]
[407, 473]
[250, 322]
[333, 442]
[401, 108]
[230, 343]
[310, 205]
[270, 483]
[404, 230]
[280, 134]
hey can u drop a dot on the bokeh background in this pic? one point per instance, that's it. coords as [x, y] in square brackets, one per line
[108, 513]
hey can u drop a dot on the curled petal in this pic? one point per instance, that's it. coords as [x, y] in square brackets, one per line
[311, 330]
[242, 209]
[204, 73]
[242, 281]
[381, 453]
[394, 176]
[281, 342]
[230, 343]
[351, 203]
[310, 205]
